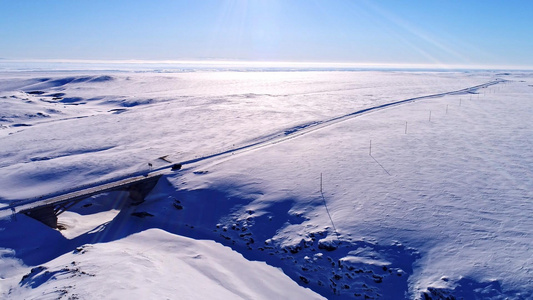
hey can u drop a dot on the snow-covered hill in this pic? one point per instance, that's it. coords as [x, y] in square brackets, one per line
[428, 199]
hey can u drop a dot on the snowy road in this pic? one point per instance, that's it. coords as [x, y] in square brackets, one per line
[90, 189]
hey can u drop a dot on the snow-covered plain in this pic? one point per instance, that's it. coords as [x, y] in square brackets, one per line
[441, 208]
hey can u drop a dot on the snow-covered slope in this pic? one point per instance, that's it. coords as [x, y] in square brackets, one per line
[157, 265]
[85, 128]
[441, 208]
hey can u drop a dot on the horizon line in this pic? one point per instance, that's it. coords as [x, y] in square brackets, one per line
[275, 64]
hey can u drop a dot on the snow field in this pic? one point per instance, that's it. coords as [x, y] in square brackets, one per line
[443, 210]
[146, 116]
[454, 183]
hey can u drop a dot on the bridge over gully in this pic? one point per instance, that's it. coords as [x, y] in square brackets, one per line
[46, 210]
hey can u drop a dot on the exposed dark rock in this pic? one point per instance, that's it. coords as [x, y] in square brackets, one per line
[142, 214]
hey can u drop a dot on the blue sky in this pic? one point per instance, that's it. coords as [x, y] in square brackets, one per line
[488, 33]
